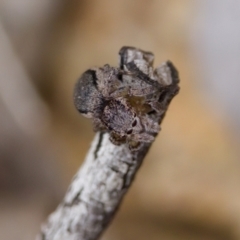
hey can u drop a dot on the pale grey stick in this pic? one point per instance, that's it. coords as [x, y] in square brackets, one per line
[95, 193]
[108, 171]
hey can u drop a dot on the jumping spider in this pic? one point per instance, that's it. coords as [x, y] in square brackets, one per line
[129, 102]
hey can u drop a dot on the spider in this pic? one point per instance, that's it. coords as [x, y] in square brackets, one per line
[127, 101]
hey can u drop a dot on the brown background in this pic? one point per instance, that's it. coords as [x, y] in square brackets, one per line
[188, 186]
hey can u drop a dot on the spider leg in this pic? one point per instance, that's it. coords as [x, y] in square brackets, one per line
[150, 125]
[116, 139]
[142, 137]
[158, 107]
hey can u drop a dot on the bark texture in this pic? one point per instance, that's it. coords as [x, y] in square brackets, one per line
[95, 193]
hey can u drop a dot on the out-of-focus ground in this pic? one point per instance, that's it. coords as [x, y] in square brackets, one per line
[189, 184]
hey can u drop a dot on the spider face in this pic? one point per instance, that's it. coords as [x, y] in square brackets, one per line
[127, 101]
[118, 117]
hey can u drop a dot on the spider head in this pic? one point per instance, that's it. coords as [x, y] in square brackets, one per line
[117, 116]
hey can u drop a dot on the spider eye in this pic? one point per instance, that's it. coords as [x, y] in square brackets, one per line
[134, 123]
[129, 131]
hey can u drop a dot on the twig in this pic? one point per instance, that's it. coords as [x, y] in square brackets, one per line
[96, 191]
[101, 183]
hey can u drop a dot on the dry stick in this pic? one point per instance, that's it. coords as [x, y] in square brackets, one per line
[96, 191]
[101, 183]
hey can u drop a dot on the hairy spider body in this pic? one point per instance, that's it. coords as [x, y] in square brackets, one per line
[86, 95]
[126, 101]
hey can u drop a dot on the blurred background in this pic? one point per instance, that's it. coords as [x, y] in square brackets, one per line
[189, 184]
